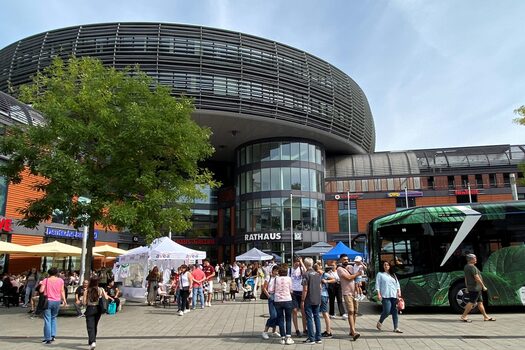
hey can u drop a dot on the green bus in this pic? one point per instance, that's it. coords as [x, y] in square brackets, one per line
[427, 245]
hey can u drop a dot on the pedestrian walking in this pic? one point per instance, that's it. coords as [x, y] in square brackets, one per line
[388, 292]
[282, 291]
[272, 321]
[32, 279]
[475, 287]
[92, 296]
[311, 301]
[153, 279]
[53, 288]
[348, 291]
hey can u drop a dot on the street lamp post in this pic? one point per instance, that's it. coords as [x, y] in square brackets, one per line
[85, 218]
[291, 227]
[349, 222]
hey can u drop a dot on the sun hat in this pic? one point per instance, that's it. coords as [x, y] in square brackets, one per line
[358, 258]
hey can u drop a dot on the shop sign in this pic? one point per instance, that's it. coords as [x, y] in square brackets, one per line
[345, 196]
[273, 236]
[196, 241]
[465, 192]
[6, 224]
[65, 233]
[403, 194]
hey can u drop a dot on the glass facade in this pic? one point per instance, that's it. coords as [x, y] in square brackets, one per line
[268, 173]
[343, 215]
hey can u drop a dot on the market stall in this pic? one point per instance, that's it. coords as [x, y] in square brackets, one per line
[133, 267]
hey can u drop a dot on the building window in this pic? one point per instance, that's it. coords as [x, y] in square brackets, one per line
[3, 195]
[464, 198]
[464, 181]
[506, 180]
[451, 182]
[343, 216]
[492, 180]
[479, 181]
[401, 203]
[430, 180]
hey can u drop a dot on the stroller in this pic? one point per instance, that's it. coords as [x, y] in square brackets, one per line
[248, 289]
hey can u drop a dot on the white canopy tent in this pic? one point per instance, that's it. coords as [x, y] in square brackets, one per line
[254, 254]
[133, 267]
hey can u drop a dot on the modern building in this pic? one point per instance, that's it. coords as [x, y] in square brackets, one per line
[294, 136]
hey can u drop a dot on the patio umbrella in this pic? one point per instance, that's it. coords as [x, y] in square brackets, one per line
[9, 248]
[108, 251]
[55, 249]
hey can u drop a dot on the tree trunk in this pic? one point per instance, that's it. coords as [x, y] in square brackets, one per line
[89, 250]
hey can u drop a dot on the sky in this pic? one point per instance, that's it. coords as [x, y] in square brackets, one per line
[437, 73]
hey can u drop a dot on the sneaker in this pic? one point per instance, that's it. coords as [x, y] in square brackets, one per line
[332, 316]
[345, 317]
[283, 341]
[319, 341]
[80, 316]
[23, 305]
[53, 338]
[308, 341]
[265, 335]
[298, 333]
[186, 311]
[180, 313]
[379, 325]
[47, 342]
[93, 345]
[397, 330]
[326, 335]
[209, 304]
[276, 334]
[289, 341]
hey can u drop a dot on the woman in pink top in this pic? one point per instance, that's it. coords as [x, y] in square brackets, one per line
[53, 288]
[282, 294]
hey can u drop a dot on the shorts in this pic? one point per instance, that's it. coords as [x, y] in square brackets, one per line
[210, 286]
[324, 304]
[352, 306]
[475, 297]
[358, 279]
[296, 299]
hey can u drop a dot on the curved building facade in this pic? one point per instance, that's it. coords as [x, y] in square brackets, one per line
[276, 113]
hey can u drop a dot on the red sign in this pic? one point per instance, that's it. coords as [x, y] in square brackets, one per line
[6, 225]
[198, 241]
[465, 192]
[345, 196]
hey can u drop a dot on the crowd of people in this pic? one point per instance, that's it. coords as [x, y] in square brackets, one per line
[305, 288]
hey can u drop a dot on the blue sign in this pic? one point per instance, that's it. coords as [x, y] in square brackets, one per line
[65, 233]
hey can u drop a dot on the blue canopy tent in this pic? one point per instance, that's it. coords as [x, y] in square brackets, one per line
[340, 248]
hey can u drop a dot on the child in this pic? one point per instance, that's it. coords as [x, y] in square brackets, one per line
[233, 289]
[224, 286]
[359, 266]
[249, 288]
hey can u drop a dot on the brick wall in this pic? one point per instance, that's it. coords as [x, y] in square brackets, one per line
[368, 209]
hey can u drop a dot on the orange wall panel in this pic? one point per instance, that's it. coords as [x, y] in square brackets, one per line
[19, 263]
[495, 197]
[19, 194]
[368, 209]
[332, 216]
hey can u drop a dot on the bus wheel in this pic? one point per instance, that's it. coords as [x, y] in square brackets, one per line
[458, 297]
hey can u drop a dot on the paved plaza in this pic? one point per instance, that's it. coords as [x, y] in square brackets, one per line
[238, 326]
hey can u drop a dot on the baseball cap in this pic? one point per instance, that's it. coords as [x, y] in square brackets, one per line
[358, 258]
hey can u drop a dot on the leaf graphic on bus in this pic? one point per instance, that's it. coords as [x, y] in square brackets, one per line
[429, 290]
[500, 290]
[504, 276]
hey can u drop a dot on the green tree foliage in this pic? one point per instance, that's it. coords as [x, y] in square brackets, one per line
[521, 113]
[114, 137]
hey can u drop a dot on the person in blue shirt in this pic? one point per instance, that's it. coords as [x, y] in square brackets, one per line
[388, 292]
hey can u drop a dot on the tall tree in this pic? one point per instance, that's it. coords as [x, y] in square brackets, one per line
[521, 113]
[114, 137]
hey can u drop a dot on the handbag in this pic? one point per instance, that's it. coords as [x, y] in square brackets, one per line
[42, 302]
[400, 304]
[112, 308]
[102, 304]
